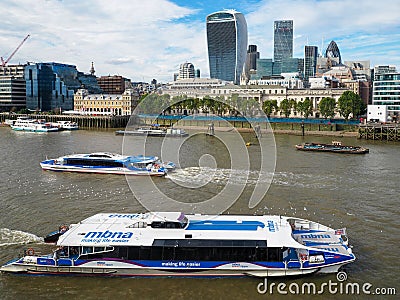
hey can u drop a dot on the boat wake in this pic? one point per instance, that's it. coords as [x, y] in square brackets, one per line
[15, 237]
[199, 176]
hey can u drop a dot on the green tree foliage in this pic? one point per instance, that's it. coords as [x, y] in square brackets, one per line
[327, 107]
[285, 107]
[350, 104]
[305, 107]
[269, 107]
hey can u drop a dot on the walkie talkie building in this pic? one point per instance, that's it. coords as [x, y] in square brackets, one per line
[227, 44]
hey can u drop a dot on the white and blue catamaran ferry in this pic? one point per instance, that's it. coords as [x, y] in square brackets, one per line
[175, 244]
[108, 163]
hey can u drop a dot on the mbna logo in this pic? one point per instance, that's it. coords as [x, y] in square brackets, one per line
[108, 235]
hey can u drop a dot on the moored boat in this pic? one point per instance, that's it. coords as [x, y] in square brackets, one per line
[175, 244]
[66, 125]
[144, 131]
[335, 146]
[107, 163]
[33, 125]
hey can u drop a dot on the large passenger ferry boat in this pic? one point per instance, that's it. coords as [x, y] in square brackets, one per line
[175, 244]
[108, 163]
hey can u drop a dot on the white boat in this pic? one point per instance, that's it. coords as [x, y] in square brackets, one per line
[176, 132]
[9, 122]
[34, 125]
[106, 163]
[66, 125]
[174, 244]
[151, 131]
[145, 131]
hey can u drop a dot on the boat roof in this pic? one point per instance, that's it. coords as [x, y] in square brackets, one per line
[114, 156]
[135, 229]
[98, 155]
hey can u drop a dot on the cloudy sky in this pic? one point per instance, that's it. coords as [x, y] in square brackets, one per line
[148, 39]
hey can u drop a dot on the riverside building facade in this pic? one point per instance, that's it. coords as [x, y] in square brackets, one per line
[279, 93]
[104, 104]
[227, 44]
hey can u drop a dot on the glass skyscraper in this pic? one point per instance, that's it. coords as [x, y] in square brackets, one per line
[283, 40]
[227, 44]
[310, 61]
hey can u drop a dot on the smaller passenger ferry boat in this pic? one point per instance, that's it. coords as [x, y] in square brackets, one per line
[176, 132]
[175, 244]
[66, 125]
[33, 125]
[335, 146]
[145, 131]
[149, 131]
[108, 163]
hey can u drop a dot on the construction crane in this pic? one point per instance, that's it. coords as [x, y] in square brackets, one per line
[4, 62]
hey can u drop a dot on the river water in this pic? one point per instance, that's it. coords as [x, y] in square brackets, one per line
[359, 192]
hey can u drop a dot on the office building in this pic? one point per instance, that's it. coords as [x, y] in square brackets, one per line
[227, 44]
[50, 86]
[385, 96]
[112, 85]
[12, 88]
[186, 70]
[332, 52]
[310, 61]
[283, 40]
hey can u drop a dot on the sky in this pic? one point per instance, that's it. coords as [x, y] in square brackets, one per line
[142, 40]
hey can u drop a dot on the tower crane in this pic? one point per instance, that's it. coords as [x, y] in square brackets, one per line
[4, 62]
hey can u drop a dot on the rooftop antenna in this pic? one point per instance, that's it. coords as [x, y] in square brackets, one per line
[322, 46]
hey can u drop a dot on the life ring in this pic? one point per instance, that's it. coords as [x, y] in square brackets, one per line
[303, 257]
[30, 252]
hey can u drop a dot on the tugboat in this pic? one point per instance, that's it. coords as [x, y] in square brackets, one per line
[335, 146]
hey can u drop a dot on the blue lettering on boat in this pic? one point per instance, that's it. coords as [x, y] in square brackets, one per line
[128, 216]
[109, 234]
[271, 226]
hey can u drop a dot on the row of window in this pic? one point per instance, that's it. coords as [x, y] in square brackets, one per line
[242, 254]
[96, 162]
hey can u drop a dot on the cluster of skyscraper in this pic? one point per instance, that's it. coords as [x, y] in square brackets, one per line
[229, 58]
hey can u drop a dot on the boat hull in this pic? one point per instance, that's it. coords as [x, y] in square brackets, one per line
[138, 133]
[332, 149]
[133, 269]
[117, 171]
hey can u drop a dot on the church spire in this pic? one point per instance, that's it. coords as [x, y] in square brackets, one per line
[92, 71]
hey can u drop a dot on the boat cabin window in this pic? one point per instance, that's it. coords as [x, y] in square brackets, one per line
[138, 225]
[205, 250]
[213, 253]
[93, 162]
[100, 155]
[161, 224]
